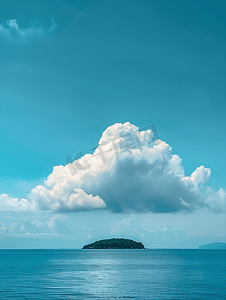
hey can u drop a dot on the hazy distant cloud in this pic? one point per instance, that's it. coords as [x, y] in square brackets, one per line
[131, 227]
[122, 178]
[11, 30]
[216, 200]
[11, 226]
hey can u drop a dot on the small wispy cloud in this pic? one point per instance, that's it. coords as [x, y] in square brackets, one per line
[12, 30]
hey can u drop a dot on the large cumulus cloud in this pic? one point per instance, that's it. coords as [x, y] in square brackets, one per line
[128, 172]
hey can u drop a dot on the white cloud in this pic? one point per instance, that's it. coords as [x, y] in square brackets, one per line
[128, 172]
[8, 203]
[13, 31]
[64, 198]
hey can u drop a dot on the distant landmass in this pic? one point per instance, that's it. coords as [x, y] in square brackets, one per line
[115, 243]
[216, 246]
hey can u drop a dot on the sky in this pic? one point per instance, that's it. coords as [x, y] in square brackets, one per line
[78, 74]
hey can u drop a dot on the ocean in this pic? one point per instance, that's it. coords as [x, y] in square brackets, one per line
[113, 274]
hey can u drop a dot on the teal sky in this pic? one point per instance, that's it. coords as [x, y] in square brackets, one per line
[72, 68]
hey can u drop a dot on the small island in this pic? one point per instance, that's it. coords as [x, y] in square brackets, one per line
[214, 246]
[115, 243]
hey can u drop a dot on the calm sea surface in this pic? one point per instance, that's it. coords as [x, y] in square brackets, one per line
[112, 274]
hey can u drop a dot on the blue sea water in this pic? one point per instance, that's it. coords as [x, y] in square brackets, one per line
[112, 274]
